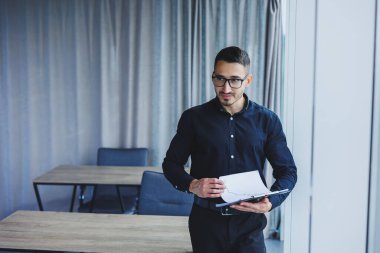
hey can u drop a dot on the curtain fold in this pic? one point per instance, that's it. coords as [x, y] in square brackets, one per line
[77, 75]
[272, 91]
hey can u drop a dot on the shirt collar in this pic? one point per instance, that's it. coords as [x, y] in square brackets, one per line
[247, 103]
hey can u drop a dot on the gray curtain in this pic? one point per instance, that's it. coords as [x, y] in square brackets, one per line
[273, 90]
[77, 75]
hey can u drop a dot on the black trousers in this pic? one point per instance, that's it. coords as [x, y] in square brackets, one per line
[211, 232]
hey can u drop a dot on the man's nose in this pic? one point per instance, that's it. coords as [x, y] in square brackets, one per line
[226, 87]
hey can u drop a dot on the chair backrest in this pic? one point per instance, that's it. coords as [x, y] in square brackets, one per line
[118, 157]
[122, 156]
[106, 195]
[159, 197]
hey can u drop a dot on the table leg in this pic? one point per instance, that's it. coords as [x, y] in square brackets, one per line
[35, 186]
[73, 198]
[120, 199]
[137, 200]
[81, 195]
[93, 198]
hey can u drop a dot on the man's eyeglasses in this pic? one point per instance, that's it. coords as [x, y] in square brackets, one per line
[234, 83]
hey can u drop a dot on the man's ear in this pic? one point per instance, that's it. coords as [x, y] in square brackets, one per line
[249, 80]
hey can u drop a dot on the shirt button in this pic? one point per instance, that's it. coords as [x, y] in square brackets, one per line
[232, 156]
[231, 118]
[232, 136]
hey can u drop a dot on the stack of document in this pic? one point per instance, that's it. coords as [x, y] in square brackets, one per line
[246, 186]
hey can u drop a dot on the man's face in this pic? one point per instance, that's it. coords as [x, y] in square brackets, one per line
[229, 96]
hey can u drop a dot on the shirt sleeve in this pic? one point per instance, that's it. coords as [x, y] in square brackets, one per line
[281, 159]
[178, 154]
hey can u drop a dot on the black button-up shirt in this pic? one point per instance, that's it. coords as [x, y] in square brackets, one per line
[221, 144]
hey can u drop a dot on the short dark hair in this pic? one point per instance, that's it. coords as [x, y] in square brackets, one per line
[232, 55]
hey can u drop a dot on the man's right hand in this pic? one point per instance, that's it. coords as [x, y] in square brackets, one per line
[207, 187]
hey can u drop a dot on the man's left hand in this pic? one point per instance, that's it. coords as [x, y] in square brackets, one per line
[260, 207]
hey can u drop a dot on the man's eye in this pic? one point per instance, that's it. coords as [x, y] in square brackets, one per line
[219, 78]
[235, 80]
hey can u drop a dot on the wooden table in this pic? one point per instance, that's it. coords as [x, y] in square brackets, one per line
[91, 175]
[88, 232]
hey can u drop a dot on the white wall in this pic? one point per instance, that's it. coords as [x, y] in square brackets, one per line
[332, 71]
[299, 111]
[374, 218]
[344, 71]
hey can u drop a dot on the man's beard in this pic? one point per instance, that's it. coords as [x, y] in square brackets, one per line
[229, 102]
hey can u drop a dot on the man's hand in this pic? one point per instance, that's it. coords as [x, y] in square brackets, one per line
[207, 187]
[260, 207]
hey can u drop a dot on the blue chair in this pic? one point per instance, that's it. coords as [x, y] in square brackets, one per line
[122, 157]
[159, 197]
[104, 196]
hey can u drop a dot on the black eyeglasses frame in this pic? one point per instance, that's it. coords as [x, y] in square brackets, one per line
[228, 80]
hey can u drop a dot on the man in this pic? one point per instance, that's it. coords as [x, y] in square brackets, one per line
[229, 134]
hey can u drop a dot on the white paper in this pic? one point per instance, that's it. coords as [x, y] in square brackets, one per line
[242, 186]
